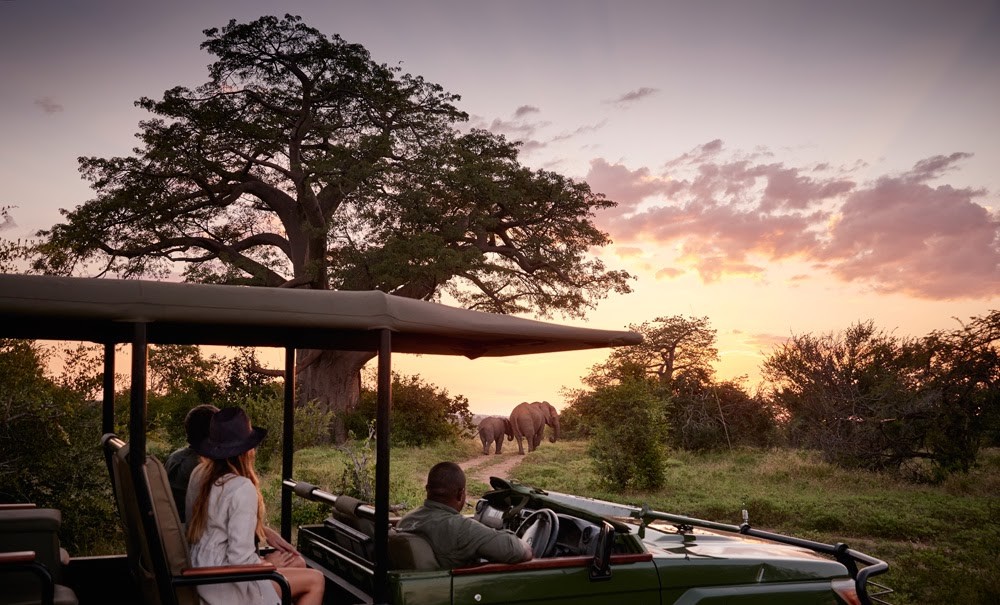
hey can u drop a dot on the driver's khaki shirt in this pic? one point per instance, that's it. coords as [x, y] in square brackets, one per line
[458, 540]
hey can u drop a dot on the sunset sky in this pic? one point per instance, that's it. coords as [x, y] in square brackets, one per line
[780, 167]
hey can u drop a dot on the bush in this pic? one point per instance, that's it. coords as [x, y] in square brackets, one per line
[43, 426]
[628, 434]
[422, 413]
[311, 424]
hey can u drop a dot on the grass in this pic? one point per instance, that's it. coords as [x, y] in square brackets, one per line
[941, 541]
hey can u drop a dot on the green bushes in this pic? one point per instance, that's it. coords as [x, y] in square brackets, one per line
[49, 451]
[422, 413]
[628, 429]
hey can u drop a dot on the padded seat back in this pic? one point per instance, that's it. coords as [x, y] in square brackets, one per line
[173, 539]
[35, 529]
[410, 551]
[345, 511]
[169, 539]
[140, 560]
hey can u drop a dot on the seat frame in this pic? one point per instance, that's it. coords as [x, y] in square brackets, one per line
[145, 543]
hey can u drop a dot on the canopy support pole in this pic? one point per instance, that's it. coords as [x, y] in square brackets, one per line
[382, 413]
[287, 449]
[108, 408]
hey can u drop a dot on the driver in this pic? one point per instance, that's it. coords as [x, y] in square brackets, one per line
[458, 540]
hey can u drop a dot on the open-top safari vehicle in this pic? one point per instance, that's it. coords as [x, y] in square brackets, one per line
[587, 551]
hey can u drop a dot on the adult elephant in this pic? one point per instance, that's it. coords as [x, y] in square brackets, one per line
[493, 430]
[529, 420]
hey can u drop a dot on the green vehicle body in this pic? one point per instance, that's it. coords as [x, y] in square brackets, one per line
[655, 558]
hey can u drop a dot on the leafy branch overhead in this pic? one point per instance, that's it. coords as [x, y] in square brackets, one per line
[303, 162]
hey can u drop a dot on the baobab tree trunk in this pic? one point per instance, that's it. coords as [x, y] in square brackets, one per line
[332, 379]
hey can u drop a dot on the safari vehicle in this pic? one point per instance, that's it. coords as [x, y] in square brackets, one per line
[587, 551]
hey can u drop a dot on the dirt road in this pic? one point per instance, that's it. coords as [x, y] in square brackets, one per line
[481, 468]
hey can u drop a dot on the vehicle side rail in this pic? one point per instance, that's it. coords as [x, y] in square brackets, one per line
[314, 493]
[848, 557]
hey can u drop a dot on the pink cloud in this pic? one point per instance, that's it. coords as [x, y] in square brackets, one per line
[902, 235]
[766, 342]
[628, 251]
[48, 105]
[625, 186]
[729, 214]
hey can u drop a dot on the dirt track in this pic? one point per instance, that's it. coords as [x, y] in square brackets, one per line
[481, 468]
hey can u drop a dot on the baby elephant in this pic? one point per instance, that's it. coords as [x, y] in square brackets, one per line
[493, 429]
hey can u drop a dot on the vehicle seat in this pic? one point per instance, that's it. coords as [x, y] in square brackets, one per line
[26, 529]
[158, 556]
[410, 551]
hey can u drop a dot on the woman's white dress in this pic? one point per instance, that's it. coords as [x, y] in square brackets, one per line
[229, 540]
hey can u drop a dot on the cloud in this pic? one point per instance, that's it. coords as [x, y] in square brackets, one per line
[48, 105]
[628, 251]
[635, 95]
[7, 222]
[669, 273]
[766, 342]
[732, 214]
[902, 235]
[524, 110]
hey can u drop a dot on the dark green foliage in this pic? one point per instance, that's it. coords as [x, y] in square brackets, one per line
[311, 424]
[628, 430]
[422, 413]
[717, 415]
[870, 400]
[49, 451]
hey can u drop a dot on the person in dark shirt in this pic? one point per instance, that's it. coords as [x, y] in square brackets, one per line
[458, 540]
[184, 460]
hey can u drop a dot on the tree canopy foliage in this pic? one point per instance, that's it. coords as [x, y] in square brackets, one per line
[304, 163]
[672, 348]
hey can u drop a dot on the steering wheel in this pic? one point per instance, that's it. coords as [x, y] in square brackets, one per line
[540, 531]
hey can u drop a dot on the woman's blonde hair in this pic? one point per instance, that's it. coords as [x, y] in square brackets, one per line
[218, 472]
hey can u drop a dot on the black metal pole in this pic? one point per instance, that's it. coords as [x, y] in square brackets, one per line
[108, 407]
[287, 449]
[137, 398]
[382, 416]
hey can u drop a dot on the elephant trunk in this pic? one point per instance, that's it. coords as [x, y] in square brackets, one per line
[555, 429]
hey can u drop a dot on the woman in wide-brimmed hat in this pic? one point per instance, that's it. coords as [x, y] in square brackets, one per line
[227, 516]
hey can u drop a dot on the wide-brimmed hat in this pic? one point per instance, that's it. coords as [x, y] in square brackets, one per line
[229, 434]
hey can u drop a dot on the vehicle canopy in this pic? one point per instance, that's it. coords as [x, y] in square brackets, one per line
[112, 311]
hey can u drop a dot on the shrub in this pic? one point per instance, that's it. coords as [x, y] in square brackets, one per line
[422, 413]
[43, 426]
[311, 424]
[628, 434]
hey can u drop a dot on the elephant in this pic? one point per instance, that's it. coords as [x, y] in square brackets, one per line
[493, 429]
[529, 420]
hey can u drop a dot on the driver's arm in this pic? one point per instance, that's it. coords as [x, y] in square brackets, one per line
[501, 546]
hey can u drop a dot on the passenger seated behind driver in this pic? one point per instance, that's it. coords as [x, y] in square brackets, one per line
[458, 540]
[183, 461]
